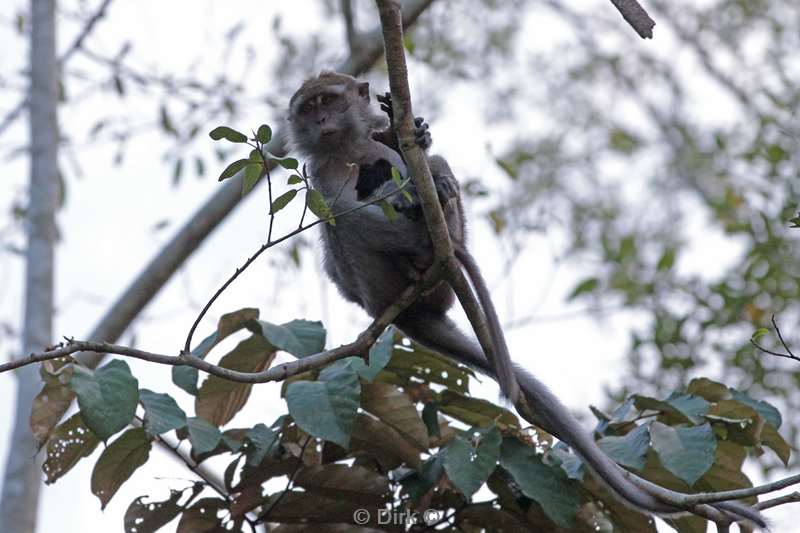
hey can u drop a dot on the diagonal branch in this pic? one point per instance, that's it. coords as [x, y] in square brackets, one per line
[635, 15]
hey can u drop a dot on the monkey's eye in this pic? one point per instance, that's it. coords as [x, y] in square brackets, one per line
[306, 107]
[328, 99]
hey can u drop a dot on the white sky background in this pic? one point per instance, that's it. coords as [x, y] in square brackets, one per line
[107, 227]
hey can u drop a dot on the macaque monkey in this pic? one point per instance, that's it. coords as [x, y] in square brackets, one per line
[372, 259]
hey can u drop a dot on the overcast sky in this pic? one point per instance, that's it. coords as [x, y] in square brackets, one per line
[107, 229]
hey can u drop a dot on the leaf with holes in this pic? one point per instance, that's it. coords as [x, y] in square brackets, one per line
[149, 517]
[469, 466]
[69, 443]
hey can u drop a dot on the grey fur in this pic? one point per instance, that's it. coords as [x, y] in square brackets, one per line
[372, 259]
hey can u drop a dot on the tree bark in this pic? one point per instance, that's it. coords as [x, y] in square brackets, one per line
[20, 495]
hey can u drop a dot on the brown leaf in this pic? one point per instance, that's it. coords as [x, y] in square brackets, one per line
[218, 400]
[68, 444]
[118, 462]
[394, 407]
[353, 483]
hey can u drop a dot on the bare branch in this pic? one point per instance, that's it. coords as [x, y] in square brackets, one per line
[788, 498]
[17, 110]
[279, 373]
[788, 355]
[635, 15]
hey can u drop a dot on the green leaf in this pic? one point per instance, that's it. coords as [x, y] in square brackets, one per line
[760, 332]
[469, 466]
[667, 260]
[693, 407]
[233, 168]
[107, 397]
[379, 356]
[418, 484]
[547, 485]
[264, 134]
[203, 435]
[161, 413]
[262, 440]
[430, 416]
[229, 134]
[317, 204]
[253, 173]
[396, 177]
[69, 443]
[687, 452]
[767, 411]
[282, 201]
[586, 286]
[300, 338]
[388, 210]
[294, 179]
[629, 450]
[326, 408]
[289, 163]
[118, 462]
[623, 141]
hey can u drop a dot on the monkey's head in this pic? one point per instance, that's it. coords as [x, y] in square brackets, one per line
[329, 113]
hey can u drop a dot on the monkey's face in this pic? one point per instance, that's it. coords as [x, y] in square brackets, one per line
[328, 118]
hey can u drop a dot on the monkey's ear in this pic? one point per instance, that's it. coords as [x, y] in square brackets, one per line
[363, 90]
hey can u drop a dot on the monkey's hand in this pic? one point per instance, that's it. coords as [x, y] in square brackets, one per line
[421, 134]
[409, 204]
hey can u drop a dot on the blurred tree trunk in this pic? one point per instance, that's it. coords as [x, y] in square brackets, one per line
[19, 500]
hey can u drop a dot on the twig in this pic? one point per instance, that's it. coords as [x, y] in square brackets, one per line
[264, 247]
[780, 500]
[263, 516]
[17, 110]
[788, 355]
[635, 15]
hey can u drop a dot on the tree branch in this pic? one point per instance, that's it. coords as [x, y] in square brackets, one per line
[635, 15]
[279, 373]
[91, 22]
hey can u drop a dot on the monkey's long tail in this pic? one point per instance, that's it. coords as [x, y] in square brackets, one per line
[504, 371]
[439, 333]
